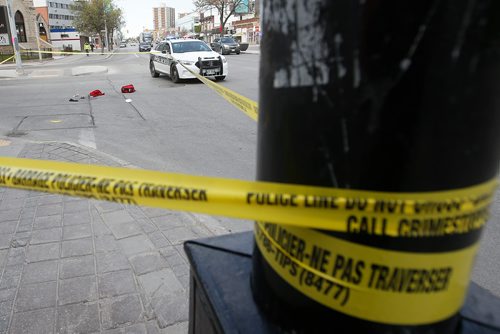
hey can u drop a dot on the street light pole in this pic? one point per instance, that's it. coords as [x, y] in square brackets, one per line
[37, 31]
[14, 39]
[106, 32]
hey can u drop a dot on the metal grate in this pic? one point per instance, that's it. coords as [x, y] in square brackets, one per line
[209, 63]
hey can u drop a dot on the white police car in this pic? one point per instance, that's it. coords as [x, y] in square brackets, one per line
[175, 57]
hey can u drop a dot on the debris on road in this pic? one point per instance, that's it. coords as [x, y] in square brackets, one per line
[76, 98]
[128, 89]
[96, 93]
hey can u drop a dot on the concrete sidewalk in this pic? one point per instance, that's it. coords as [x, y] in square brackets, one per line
[253, 49]
[71, 265]
[56, 60]
[49, 72]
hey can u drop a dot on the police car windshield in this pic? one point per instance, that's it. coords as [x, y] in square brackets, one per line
[190, 47]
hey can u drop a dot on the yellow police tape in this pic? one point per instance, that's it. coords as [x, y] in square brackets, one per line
[84, 53]
[384, 286]
[249, 107]
[430, 214]
[6, 60]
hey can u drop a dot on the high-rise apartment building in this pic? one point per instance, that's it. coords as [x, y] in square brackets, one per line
[163, 19]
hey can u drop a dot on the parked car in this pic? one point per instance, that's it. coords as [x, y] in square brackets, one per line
[144, 46]
[175, 57]
[123, 45]
[225, 45]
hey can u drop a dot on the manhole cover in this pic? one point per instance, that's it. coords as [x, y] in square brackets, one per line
[55, 122]
[4, 142]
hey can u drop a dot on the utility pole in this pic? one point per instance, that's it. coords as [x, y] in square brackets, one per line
[15, 42]
[37, 30]
[105, 9]
[106, 32]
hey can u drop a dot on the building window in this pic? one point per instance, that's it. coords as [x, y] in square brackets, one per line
[21, 30]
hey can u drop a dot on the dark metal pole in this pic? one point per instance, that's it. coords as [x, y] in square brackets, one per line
[379, 95]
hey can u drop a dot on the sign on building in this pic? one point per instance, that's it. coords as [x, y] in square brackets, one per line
[4, 39]
[242, 7]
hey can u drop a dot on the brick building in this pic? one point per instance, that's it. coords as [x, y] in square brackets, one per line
[25, 19]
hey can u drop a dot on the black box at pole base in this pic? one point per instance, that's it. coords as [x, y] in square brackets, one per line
[221, 298]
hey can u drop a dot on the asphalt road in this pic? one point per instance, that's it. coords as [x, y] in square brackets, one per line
[184, 128]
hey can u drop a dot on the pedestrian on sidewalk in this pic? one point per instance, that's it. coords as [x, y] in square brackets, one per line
[92, 46]
[86, 47]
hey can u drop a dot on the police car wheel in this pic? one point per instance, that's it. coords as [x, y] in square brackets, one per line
[174, 74]
[152, 69]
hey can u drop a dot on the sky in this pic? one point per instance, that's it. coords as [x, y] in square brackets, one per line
[138, 14]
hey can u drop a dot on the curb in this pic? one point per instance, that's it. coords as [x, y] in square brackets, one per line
[87, 70]
[8, 74]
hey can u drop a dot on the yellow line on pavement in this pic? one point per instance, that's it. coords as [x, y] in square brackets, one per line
[6, 60]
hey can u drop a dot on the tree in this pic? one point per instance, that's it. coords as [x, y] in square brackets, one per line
[92, 16]
[225, 8]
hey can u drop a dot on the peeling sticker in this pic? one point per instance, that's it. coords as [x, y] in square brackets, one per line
[308, 65]
[357, 70]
